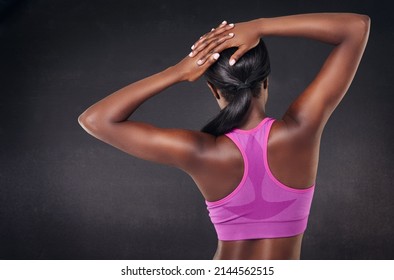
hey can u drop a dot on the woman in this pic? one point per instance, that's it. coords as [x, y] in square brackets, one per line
[257, 174]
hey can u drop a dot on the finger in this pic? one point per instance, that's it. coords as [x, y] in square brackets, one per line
[211, 43]
[218, 31]
[238, 54]
[208, 44]
[220, 25]
[214, 32]
[223, 23]
[215, 46]
[211, 59]
[224, 45]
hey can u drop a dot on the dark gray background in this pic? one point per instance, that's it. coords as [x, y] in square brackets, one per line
[66, 195]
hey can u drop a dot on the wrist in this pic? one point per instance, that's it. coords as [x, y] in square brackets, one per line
[261, 26]
[176, 73]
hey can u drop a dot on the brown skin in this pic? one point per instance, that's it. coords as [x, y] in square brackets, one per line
[215, 163]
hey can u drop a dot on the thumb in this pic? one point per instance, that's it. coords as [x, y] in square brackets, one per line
[237, 55]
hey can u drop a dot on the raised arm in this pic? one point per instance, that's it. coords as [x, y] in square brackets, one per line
[349, 35]
[347, 32]
[108, 121]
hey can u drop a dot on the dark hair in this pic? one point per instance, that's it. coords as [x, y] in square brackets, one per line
[238, 84]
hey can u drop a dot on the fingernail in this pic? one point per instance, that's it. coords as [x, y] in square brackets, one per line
[199, 62]
[231, 34]
[231, 24]
[191, 54]
[200, 37]
[212, 29]
[216, 56]
[232, 62]
[193, 47]
[224, 22]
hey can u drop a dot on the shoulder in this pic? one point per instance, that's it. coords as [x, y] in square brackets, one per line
[288, 141]
[292, 154]
[217, 168]
[206, 151]
[288, 132]
[220, 148]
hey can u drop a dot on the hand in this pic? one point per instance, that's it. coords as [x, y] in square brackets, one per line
[194, 65]
[246, 36]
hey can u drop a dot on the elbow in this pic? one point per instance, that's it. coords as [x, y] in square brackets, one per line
[365, 22]
[88, 122]
[366, 19]
[362, 25]
[358, 28]
[82, 119]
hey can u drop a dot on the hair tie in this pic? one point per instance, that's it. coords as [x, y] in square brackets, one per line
[243, 86]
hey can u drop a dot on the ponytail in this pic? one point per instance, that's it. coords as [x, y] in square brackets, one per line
[232, 115]
[238, 84]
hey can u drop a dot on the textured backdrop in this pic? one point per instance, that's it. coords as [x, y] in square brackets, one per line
[66, 195]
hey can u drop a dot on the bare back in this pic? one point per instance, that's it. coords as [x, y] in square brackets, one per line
[287, 248]
[224, 173]
[215, 163]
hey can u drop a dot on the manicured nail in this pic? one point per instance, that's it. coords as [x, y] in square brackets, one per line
[216, 56]
[193, 47]
[224, 22]
[231, 34]
[231, 24]
[199, 62]
[191, 54]
[232, 62]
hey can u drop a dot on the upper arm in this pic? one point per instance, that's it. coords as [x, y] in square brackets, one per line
[311, 110]
[176, 147]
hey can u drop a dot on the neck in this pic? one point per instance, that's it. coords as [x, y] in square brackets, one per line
[254, 116]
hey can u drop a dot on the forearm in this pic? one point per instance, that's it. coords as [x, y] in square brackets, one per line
[331, 28]
[121, 104]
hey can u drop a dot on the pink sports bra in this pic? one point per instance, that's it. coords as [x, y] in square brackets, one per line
[260, 206]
